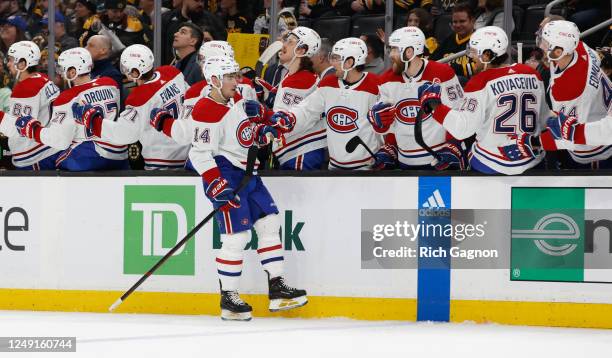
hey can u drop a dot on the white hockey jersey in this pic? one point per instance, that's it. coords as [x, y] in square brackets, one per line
[402, 92]
[497, 103]
[165, 90]
[584, 91]
[307, 135]
[218, 130]
[30, 97]
[64, 133]
[345, 108]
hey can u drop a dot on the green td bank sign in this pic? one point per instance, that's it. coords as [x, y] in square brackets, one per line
[156, 217]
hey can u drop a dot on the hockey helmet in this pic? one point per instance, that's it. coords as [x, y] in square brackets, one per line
[559, 33]
[307, 38]
[405, 37]
[77, 58]
[27, 51]
[218, 66]
[136, 57]
[214, 48]
[490, 38]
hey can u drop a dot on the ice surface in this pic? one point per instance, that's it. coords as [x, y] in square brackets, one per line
[170, 336]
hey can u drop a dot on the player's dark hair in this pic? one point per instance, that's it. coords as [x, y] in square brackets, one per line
[360, 68]
[499, 60]
[464, 7]
[374, 43]
[306, 64]
[147, 76]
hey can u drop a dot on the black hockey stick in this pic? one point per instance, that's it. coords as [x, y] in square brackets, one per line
[251, 157]
[352, 144]
[418, 136]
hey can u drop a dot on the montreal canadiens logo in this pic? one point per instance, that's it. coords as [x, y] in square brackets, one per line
[244, 133]
[407, 111]
[342, 119]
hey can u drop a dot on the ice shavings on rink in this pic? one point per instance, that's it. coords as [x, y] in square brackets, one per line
[170, 336]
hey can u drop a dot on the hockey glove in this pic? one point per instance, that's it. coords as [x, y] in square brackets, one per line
[90, 117]
[381, 116]
[567, 128]
[254, 110]
[451, 156]
[28, 127]
[265, 134]
[161, 120]
[386, 157]
[522, 148]
[219, 192]
[265, 92]
[283, 121]
[429, 96]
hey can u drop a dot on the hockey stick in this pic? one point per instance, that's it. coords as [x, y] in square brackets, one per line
[251, 157]
[418, 134]
[267, 55]
[352, 144]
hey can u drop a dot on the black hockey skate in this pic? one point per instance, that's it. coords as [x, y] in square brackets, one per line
[233, 308]
[283, 297]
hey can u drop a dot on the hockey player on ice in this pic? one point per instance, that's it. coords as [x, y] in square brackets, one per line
[304, 147]
[345, 100]
[221, 136]
[84, 99]
[581, 96]
[397, 111]
[164, 88]
[31, 96]
[501, 102]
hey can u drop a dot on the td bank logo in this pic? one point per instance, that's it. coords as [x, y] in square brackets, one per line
[555, 226]
[156, 217]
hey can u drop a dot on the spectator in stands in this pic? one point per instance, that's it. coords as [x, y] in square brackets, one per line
[320, 61]
[12, 29]
[187, 40]
[314, 9]
[462, 22]
[190, 11]
[10, 8]
[100, 48]
[128, 29]
[446, 6]
[207, 34]
[492, 14]
[5, 85]
[374, 60]
[424, 21]
[234, 15]
[85, 12]
[286, 18]
[64, 40]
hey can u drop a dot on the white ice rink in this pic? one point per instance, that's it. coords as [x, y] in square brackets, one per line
[147, 336]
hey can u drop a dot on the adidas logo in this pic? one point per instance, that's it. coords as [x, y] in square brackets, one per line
[434, 201]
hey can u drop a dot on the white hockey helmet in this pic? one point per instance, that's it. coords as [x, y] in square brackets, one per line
[306, 37]
[136, 57]
[24, 50]
[405, 37]
[559, 33]
[77, 58]
[490, 38]
[214, 48]
[218, 66]
[350, 47]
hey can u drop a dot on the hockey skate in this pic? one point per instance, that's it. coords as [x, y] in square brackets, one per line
[283, 297]
[233, 308]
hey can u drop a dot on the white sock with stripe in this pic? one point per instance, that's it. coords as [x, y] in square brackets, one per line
[229, 259]
[270, 248]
